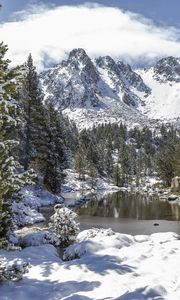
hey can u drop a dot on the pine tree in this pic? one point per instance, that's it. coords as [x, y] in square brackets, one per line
[118, 177]
[33, 114]
[64, 226]
[124, 160]
[80, 164]
[54, 157]
[41, 138]
[108, 159]
[166, 158]
[92, 172]
[177, 159]
[10, 179]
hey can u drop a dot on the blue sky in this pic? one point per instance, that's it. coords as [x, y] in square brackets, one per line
[137, 31]
[161, 11]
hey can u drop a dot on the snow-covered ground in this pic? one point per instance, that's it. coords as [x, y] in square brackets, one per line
[105, 185]
[72, 183]
[27, 202]
[110, 266]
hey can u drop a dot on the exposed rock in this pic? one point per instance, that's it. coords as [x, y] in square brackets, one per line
[167, 69]
[172, 197]
[133, 79]
[72, 83]
[105, 90]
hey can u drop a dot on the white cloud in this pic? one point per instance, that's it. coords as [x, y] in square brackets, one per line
[50, 33]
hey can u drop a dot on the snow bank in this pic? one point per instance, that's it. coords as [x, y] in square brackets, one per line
[25, 215]
[111, 266]
[102, 240]
[29, 200]
[35, 196]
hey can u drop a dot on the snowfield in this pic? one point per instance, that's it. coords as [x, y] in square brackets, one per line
[163, 102]
[101, 265]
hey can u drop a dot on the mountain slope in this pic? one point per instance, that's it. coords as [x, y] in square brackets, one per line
[93, 92]
[104, 90]
[164, 82]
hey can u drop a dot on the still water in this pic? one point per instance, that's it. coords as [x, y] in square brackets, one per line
[130, 213]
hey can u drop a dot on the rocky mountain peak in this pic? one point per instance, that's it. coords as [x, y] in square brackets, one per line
[122, 74]
[131, 78]
[79, 55]
[167, 69]
[105, 62]
[79, 59]
[73, 83]
[105, 89]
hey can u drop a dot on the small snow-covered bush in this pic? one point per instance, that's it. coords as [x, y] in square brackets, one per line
[64, 226]
[37, 239]
[76, 251]
[13, 270]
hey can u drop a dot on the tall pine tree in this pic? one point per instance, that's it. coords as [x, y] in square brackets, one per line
[10, 178]
[33, 114]
[41, 137]
[54, 151]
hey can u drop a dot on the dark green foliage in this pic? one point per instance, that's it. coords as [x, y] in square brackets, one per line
[32, 113]
[118, 177]
[10, 177]
[140, 152]
[52, 160]
[177, 159]
[166, 161]
[92, 172]
[42, 136]
[108, 159]
[80, 164]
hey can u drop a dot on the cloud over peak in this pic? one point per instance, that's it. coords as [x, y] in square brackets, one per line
[49, 33]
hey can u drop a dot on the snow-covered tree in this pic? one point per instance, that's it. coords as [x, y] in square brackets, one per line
[41, 144]
[13, 270]
[33, 114]
[80, 164]
[64, 226]
[54, 152]
[10, 178]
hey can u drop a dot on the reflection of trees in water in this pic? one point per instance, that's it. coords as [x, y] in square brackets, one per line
[176, 211]
[131, 205]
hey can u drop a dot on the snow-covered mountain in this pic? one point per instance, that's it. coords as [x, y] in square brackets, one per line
[104, 90]
[164, 82]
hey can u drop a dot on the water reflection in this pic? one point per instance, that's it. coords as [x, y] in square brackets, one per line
[131, 206]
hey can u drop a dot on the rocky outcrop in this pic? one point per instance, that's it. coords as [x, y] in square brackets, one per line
[79, 82]
[167, 69]
[72, 83]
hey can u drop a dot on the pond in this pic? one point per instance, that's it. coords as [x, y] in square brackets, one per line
[125, 212]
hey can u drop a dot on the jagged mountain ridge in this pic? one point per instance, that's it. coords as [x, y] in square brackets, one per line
[104, 90]
[164, 81]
